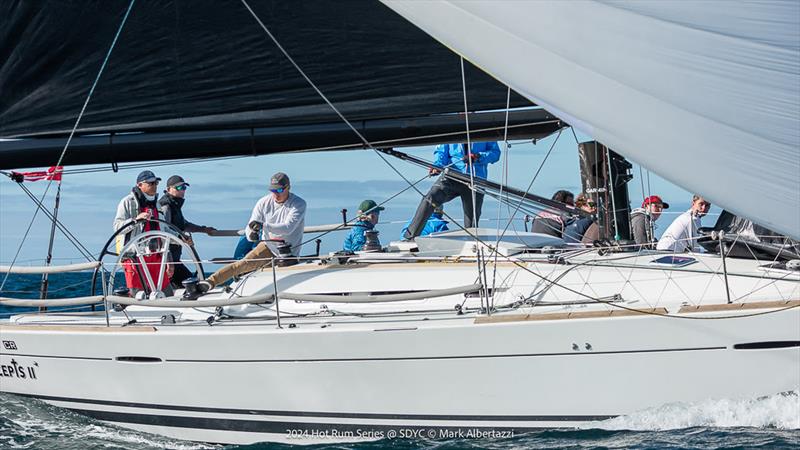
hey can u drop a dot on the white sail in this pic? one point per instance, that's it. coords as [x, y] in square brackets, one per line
[704, 93]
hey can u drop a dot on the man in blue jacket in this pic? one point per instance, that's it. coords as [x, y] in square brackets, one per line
[368, 216]
[458, 157]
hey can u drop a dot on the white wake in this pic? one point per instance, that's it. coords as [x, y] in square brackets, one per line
[779, 411]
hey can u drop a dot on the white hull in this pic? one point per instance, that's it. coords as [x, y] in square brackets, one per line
[334, 378]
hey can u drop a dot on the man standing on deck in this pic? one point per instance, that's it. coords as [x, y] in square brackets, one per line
[461, 157]
[682, 233]
[171, 206]
[277, 218]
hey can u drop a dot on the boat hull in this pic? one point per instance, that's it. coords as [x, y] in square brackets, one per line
[453, 376]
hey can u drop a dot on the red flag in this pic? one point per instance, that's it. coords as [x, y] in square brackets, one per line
[54, 173]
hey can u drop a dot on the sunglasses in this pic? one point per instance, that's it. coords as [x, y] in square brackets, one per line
[277, 191]
[591, 204]
[181, 187]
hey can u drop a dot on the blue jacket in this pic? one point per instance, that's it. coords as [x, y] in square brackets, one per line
[488, 153]
[434, 224]
[354, 242]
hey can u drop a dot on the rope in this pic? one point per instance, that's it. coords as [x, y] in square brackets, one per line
[369, 145]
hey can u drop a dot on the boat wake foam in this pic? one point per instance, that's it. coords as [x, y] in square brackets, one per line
[29, 423]
[779, 411]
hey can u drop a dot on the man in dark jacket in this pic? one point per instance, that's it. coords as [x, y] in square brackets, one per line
[577, 229]
[553, 223]
[643, 220]
[171, 206]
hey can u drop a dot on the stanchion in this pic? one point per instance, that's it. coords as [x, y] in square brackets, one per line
[275, 291]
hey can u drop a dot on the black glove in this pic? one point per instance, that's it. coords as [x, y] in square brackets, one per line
[254, 231]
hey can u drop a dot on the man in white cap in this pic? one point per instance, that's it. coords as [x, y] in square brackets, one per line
[277, 218]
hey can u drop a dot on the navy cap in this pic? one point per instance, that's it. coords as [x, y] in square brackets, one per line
[176, 180]
[147, 176]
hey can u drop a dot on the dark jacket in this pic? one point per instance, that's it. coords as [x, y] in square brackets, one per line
[171, 208]
[574, 232]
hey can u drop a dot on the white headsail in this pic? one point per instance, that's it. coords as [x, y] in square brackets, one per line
[704, 93]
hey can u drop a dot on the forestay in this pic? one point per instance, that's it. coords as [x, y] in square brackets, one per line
[706, 94]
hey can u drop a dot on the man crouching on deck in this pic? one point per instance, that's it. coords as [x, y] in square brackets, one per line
[277, 218]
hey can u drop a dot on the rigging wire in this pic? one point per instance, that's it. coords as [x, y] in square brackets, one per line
[368, 144]
[71, 237]
[471, 168]
[72, 133]
[504, 171]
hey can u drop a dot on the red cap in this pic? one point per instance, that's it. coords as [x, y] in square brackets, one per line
[655, 199]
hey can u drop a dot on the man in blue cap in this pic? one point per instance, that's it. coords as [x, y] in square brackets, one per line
[141, 204]
[467, 159]
[368, 216]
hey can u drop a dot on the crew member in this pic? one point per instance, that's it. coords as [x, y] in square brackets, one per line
[141, 204]
[469, 160]
[171, 206]
[578, 228]
[643, 221]
[368, 216]
[278, 219]
[551, 222]
[682, 233]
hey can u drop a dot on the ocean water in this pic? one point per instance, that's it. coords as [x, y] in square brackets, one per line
[770, 422]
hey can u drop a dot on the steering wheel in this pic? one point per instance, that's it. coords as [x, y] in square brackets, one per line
[138, 248]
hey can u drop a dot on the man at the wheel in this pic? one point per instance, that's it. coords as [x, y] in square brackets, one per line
[141, 204]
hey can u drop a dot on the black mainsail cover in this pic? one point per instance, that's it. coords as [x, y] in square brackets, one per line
[189, 74]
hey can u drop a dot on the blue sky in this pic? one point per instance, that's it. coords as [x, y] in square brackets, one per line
[223, 193]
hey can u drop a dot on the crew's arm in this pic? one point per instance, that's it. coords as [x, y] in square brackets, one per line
[441, 156]
[123, 214]
[257, 216]
[490, 153]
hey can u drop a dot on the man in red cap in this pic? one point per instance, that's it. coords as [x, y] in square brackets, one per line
[643, 220]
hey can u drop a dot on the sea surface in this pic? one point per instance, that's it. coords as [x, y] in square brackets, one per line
[737, 423]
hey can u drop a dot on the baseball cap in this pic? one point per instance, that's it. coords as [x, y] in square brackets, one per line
[176, 180]
[279, 180]
[147, 176]
[368, 206]
[655, 199]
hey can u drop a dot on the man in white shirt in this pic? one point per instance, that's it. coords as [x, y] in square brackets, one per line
[277, 218]
[681, 235]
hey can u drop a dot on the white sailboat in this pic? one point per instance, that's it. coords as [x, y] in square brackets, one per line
[474, 331]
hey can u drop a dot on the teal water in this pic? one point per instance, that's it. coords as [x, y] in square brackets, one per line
[771, 422]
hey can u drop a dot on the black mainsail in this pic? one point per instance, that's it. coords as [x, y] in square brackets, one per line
[200, 79]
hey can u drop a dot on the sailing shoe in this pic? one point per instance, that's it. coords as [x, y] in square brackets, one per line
[200, 289]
